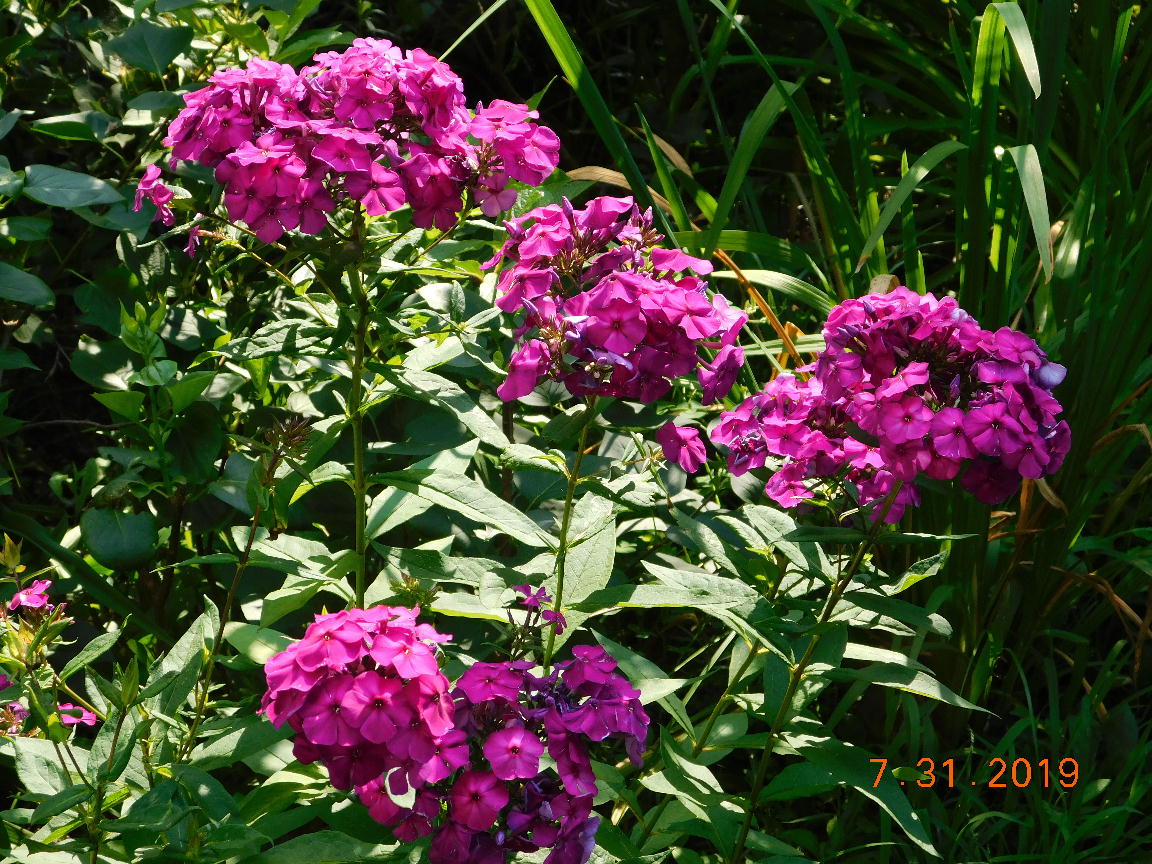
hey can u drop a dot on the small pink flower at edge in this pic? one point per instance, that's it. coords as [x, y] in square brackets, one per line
[71, 714]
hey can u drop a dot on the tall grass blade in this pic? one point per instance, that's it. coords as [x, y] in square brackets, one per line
[671, 192]
[1013, 17]
[484, 16]
[759, 123]
[576, 71]
[1032, 183]
[904, 189]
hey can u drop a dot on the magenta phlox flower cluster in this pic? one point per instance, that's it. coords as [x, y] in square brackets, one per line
[607, 313]
[503, 803]
[908, 385]
[365, 696]
[373, 124]
[364, 693]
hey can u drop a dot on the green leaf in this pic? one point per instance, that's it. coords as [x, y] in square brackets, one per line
[578, 75]
[28, 229]
[156, 100]
[1032, 183]
[119, 541]
[283, 337]
[469, 498]
[258, 644]
[919, 571]
[124, 403]
[245, 737]
[1013, 17]
[179, 668]
[20, 287]
[433, 388]
[63, 800]
[333, 847]
[902, 678]
[329, 472]
[849, 765]
[147, 46]
[187, 389]
[88, 653]
[84, 126]
[592, 547]
[113, 748]
[14, 358]
[898, 610]
[787, 285]
[9, 119]
[756, 128]
[195, 443]
[58, 187]
[394, 507]
[904, 189]
[37, 765]
[155, 374]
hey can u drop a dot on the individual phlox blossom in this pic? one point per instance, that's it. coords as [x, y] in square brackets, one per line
[373, 124]
[607, 310]
[34, 596]
[152, 189]
[364, 693]
[71, 715]
[682, 445]
[535, 601]
[907, 386]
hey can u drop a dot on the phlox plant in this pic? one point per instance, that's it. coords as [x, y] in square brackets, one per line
[454, 695]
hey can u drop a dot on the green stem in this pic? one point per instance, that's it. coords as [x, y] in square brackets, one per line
[649, 825]
[797, 673]
[356, 416]
[210, 664]
[565, 523]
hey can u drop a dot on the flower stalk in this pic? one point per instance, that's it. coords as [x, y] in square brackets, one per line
[796, 675]
[356, 415]
[566, 523]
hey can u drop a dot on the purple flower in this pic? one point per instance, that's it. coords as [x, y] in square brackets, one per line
[372, 124]
[718, 376]
[71, 714]
[556, 619]
[533, 599]
[993, 430]
[941, 394]
[151, 189]
[529, 365]
[514, 753]
[906, 420]
[949, 437]
[35, 596]
[682, 445]
[476, 799]
[486, 681]
[606, 301]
